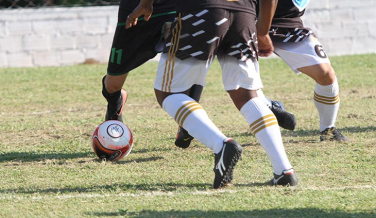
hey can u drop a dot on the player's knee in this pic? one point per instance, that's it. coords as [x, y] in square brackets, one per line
[326, 75]
[241, 96]
[323, 74]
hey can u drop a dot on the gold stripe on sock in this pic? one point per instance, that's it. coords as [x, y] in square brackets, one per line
[179, 111]
[255, 126]
[185, 110]
[326, 100]
[262, 123]
[263, 127]
[188, 113]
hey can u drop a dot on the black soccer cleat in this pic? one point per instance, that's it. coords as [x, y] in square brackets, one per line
[285, 119]
[183, 139]
[332, 134]
[225, 162]
[287, 178]
[114, 112]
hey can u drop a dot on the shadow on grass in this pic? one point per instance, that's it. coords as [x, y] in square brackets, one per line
[32, 156]
[138, 160]
[59, 157]
[115, 187]
[314, 134]
[358, 129]
[148, 150]
[285, 133]
[305, 133]
[291, 213]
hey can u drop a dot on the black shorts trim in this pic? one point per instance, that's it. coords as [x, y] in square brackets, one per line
[152, 16]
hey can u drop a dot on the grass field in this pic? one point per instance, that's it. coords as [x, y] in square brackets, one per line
[48, 169]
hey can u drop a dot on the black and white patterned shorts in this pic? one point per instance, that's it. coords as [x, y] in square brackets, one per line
[203, 33]
[290, 34]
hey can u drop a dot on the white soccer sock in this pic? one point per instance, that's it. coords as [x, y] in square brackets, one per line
[266, 100]
[264, 126]
[191, 116]
[327, 102]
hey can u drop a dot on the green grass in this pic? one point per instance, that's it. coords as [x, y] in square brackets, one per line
[48, 169]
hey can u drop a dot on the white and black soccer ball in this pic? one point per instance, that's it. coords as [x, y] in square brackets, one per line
[112, 140]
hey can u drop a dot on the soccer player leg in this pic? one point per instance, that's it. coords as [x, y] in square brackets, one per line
[241, 80]
[117, 73]
[189, 114]
[326, 99]
[183, 138]
[308, 57]
[115, 96]
[130, 49]
[183, 109]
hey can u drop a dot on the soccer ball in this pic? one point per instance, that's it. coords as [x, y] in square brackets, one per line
[112, 140]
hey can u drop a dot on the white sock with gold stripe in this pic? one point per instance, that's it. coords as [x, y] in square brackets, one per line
[326, 99]
[264, 126]
[191, 116]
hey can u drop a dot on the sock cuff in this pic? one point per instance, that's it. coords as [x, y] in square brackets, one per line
[254, 106]
[258, 115]
[108, 95]
[180, 106]
[328, 90]
[170, 101]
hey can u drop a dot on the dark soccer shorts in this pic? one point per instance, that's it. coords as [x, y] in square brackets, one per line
[134, 46]
[203, 33]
